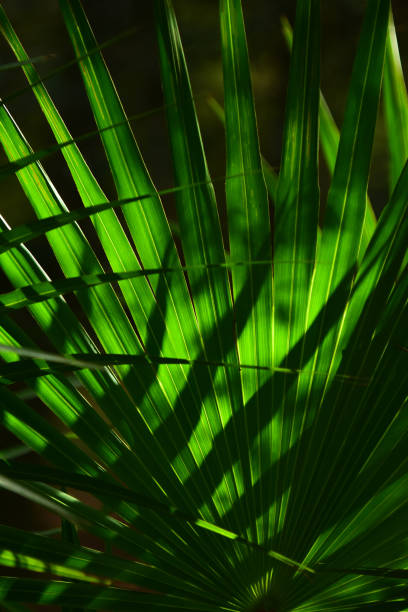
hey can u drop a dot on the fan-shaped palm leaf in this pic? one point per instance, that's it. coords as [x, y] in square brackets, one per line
[236, 405]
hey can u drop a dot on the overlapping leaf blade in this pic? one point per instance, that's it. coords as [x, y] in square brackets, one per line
[202, 245]
[329, 140]
[295, 241]
[249, 240]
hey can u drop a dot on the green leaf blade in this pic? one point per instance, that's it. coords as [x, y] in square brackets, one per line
[249, 227]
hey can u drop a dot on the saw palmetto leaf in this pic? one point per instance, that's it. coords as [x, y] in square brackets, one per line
[249, 240]
[295, 230]
[224, 413]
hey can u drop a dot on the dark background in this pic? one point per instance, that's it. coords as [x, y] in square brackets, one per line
[133, 62]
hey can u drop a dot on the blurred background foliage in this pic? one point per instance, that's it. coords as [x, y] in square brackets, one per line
[133, 62]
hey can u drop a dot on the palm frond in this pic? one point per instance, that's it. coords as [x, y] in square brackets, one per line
[223, 413]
